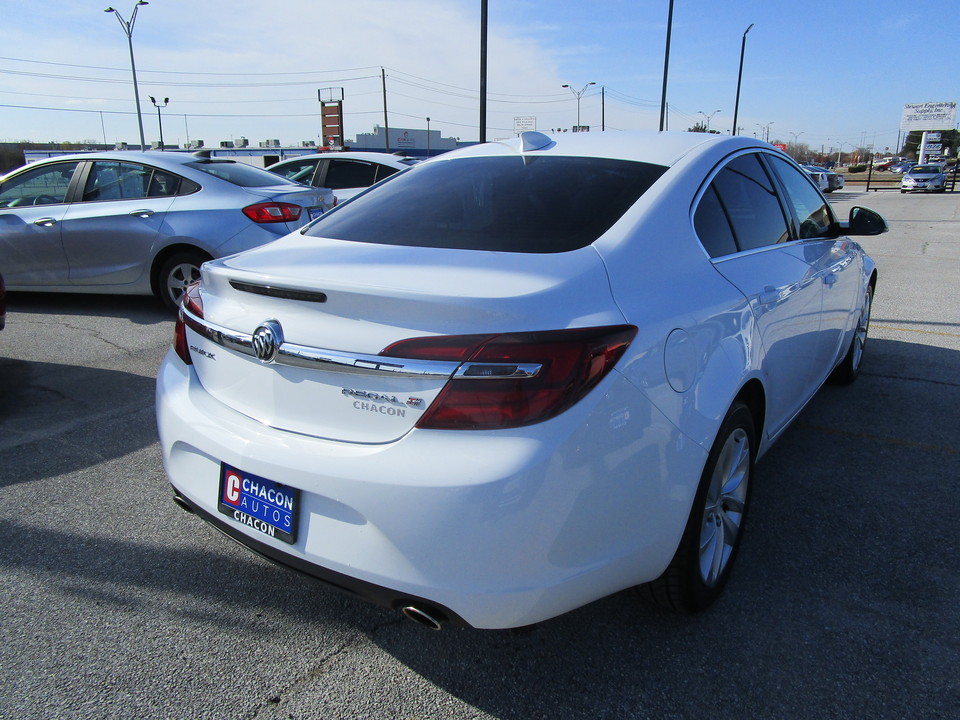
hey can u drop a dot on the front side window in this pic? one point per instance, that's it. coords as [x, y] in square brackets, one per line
[750, 202]
[529, 204]
[43, 185]
[813, 212]
[300, 171]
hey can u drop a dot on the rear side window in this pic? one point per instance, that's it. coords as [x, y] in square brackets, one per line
[747, 196]
[239, 173]
[527, 204]
[712, 226]
[350, 174]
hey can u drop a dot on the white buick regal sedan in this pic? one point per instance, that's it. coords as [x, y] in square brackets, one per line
[518, 377]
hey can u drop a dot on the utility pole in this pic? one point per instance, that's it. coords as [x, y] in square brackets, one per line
[483, 71]
[736, 105]
[666, 64]
[386, 123]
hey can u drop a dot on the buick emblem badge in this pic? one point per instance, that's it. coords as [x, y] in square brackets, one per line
[267, 340]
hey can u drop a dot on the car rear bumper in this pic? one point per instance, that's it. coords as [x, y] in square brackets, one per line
[490, 529]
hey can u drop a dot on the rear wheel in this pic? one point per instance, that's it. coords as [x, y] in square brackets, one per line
[177, 272]
[704, 559]
[849, 368]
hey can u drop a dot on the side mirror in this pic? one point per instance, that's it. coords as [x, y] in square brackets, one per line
[864, 221]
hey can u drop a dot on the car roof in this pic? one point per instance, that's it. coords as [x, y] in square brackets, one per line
[153, 157]
[391, 159]
[658, 148]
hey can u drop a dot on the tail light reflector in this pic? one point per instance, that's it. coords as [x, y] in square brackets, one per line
[273, 212]
[515, 379]
[194, 303]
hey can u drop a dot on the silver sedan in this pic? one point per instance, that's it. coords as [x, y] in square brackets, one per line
[139, 223]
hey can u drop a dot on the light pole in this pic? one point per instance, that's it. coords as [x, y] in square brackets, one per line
[157, 105]
[127, 26]
[666, 65]
[708, 117]
[796, 145]
[764, 131]
[736, 105]
[579, 95]
[428, 137]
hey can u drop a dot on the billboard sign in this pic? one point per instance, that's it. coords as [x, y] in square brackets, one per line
[928, 116]
[526, 123]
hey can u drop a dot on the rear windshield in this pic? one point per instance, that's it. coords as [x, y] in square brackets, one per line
[239, 173]
[524, 204]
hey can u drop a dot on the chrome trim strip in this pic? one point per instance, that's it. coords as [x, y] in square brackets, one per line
[319, 358]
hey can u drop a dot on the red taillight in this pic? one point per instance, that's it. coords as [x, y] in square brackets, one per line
[194, 303]
[273, 212]
[571, 363]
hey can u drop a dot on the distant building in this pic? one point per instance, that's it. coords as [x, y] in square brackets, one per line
[410, 140]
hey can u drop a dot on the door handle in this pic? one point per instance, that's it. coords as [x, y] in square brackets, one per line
[45, 221]
[141, 213]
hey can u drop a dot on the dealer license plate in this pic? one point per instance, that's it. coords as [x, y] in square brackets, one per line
[258, 503]
[314, 212]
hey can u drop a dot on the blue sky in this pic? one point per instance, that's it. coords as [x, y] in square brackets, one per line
[823, 73]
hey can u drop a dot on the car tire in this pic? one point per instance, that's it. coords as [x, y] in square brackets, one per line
[176, 273]
[849, 368]
[704, 559]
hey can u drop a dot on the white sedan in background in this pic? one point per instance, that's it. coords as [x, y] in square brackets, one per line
[518, 377]
[346, 173]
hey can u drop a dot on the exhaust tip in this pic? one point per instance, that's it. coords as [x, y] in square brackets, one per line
[181, 503]
[422, 617]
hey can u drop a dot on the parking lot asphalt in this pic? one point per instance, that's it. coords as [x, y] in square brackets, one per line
[845, 602]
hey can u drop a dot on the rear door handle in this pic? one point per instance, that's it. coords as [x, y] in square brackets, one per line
[142, 213]
[45, 221]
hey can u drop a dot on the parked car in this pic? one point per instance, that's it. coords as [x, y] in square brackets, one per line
[3, 304]
[346, 173]
[902, 167]
[819, 176]
[827, 179]
[139, 223]
[925, 178]
[519, 377]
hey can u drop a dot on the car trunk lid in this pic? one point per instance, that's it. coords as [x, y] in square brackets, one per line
[338, 304]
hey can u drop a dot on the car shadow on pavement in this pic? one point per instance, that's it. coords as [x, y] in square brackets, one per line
[139, 309]
[57, 419]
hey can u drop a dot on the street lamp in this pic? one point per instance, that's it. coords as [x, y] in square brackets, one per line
[157, 105]
[736, 105]
[428, 137]
[708, 117]
[579, 95]
[127, 26]
[764, 131]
